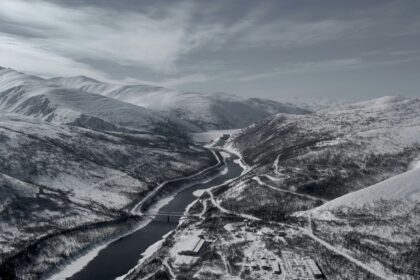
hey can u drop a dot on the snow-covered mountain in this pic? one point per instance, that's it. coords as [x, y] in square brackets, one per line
[378, 224]
[337, 188]
[207, 111]
[36, 97]
[356, 145]
[89, 103]
[341, 183]
[69, 187]
[403, 186]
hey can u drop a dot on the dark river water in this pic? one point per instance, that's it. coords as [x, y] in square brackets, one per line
[123, 254]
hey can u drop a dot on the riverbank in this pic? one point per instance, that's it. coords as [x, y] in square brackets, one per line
[153, 202]
[124, 253]
[71, 248]
[233, 171]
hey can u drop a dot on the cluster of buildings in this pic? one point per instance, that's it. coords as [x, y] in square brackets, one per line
[263, 263]
[260, 261]
[290, 266]
[264, 266]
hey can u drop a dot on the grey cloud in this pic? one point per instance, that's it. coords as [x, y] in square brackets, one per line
[247, 47]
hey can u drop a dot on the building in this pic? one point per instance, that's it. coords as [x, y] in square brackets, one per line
[277, 268]
[314, 268]
[300, 268]
[194, 248]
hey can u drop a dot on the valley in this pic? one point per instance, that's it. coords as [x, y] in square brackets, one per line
[291, 206]
[98, 184]
[209, 140]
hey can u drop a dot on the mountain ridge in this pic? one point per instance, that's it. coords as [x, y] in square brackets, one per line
[208, 111]
[34, 96]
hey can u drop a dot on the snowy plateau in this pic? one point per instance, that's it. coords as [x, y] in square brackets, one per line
[272, 190]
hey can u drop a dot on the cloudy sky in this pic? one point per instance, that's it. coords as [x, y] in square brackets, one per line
[337, 49]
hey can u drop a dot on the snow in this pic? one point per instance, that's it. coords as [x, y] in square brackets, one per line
[146, 254]
[36, 97]
[199, 193]
[185, 239]
[212, 135]
[343, 253]
[334, 142]
[66, 100]
[85, 186]
[78, 264]
[231, 149]
[207, 111]
[81, 177]
[415, 164]
[401, 187]
[135, 210]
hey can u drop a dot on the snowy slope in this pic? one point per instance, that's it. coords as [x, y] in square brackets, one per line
[33, 96]
[405, 186]
[353, 159]
[379, 224]
[208, 111]
[63, 176]
[330, 153]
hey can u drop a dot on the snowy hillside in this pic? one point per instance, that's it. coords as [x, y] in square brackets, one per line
[361, 157]
[207, 111]
[65, 177]
[378, 225]
[357, 145]
[33, 96]
[331, 187]
[404, 186]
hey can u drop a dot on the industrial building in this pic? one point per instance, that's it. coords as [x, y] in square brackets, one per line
[314, 268]
[194, 248]
[300, 268]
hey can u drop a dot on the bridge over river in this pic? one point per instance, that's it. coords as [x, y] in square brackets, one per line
[168, 215]
[118, 257]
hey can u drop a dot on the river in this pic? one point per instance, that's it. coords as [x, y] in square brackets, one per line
[120, 256]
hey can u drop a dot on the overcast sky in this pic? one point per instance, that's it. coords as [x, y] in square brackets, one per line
[338, 49]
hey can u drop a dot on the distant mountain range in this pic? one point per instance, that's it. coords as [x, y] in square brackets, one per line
[89, 103]
[205, 111]
[36, 97]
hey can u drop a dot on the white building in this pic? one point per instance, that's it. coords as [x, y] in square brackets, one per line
[194, 247]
